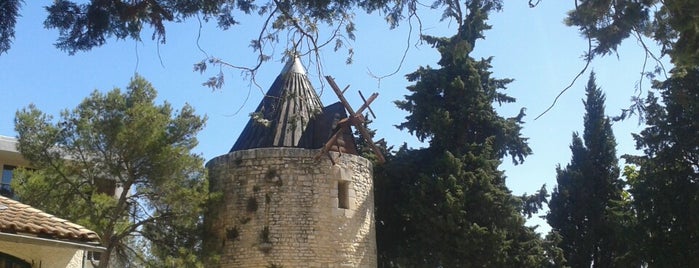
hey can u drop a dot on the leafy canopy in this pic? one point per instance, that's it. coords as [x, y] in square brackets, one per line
[673, 24]
[85, 25]
[9, 11]
[122, 166]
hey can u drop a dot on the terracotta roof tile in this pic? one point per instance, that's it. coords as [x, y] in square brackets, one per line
[19, 218]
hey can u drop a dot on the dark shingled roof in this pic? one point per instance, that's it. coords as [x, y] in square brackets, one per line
[291, 115]
[324, 126]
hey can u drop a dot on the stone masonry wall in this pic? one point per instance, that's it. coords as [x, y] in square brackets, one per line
[280, 207]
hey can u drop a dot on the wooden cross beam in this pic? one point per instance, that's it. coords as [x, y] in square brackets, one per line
[365, 101]
[355, 118]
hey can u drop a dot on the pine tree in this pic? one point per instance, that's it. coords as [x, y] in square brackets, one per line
[588, 191]
[122, 166]
[666, 185]
[448, 205]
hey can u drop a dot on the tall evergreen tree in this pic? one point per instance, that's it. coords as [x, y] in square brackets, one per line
[666, 186]
[588, 188]
[448, 205]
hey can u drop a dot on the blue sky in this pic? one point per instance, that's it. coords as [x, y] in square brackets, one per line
[532, 46]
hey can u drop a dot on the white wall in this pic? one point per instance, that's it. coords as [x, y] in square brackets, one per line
[45, 256]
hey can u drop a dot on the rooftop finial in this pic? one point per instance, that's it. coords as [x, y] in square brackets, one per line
[285, 113]
[294, 65]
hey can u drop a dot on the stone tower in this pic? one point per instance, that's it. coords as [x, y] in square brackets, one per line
[279, 205]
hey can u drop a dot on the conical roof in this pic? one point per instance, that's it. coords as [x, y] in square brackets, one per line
[286, 114]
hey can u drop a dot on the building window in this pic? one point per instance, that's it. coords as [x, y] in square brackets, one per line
[343, 194]
[93, 257]
[9, 261]
[106, 186]
[5, 188]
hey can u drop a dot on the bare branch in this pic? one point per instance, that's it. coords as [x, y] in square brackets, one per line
[582, 71]
[534, 3]
[650, 53]
[138, 60]
[206, 55]
[413, 13]
[588, 59]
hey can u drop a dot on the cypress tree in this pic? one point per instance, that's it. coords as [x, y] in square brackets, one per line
[588, 191]
[666, 185]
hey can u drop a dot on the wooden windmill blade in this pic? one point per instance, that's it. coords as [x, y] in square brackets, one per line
[356, 118]
[329, 144]
[367, 137]
[365, 101]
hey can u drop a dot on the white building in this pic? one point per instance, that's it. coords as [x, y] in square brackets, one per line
[10, 159]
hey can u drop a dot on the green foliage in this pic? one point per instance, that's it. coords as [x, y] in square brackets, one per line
[441, 210]
[83, 26]
[448, 205]
[673, 24]
[9, 12]
[554, 254]
[364, 149]
[122, 166]
[532, 204]
[609, 23]
[664, 187]
[452, 106]
[587, 208]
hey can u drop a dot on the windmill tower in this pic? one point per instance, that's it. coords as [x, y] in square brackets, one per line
[282, 202]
